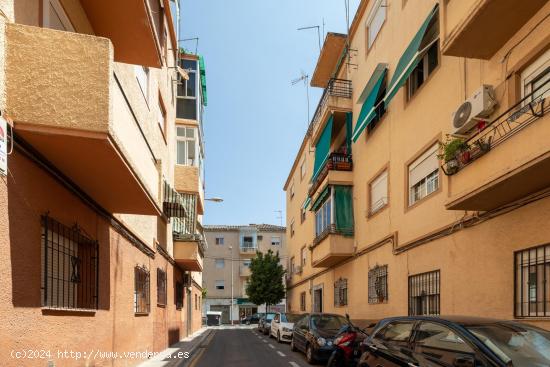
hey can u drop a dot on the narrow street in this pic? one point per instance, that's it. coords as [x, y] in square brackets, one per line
[246, 347]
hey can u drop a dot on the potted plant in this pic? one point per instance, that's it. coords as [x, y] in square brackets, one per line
[484, 145]
[451, 150]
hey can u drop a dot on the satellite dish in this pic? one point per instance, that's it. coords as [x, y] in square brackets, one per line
[462, 115]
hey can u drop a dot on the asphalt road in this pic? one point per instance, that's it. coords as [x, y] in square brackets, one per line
[246, 348]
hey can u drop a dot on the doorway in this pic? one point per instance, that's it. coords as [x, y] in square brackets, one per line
[318, 298]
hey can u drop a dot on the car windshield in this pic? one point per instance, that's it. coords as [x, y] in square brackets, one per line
[269, 316]
[512, 342]
[288, 317]
[328, 322]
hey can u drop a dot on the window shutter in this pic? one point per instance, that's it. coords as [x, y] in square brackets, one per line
[423, 166]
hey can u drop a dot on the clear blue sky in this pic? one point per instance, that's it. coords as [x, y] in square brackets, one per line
[255, 120]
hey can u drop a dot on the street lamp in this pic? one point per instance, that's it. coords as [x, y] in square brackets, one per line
[231, 306]
[214, 199]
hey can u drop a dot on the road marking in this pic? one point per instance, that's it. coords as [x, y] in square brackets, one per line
[201, 349]
[294, 364]
[281, 353]
[271, 346]
[265, 341]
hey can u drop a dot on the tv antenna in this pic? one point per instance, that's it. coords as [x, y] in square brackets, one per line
[305, 78]
[280, 216]
[196, 39]
[318, 32]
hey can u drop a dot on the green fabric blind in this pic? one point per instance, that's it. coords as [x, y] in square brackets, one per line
[322, 149]
[349, 131]
[409, 60]
[203, 81]
[306, 203]
[371, 92]
[320, 199]
[343, 208]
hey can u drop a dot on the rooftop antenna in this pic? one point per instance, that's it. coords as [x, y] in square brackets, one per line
[196, 39]
[348, 46]
[305, 78]
[280, 216]
[318, 32]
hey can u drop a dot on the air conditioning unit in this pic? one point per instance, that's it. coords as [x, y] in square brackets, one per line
[480, 105]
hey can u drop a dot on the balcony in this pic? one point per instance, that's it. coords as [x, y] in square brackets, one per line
[248, 250]
[134, 27]
[496, 20]
[187, 179]
[188, 254]
[336, 99]
[332, 246]
[338, 171]
[244, 271]
[66, 103]
[507, 160]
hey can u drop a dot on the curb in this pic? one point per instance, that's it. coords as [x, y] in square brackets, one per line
[193, 349]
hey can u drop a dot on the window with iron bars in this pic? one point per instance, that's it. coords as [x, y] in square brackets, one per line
[341, 292]
[532, 275]
[142, 290]
[161, 287]
[424, 296]
[303, 301]
[179, 295]
[378, 284]
[69, 267]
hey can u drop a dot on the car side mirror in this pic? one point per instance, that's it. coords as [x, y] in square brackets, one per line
[464, 361]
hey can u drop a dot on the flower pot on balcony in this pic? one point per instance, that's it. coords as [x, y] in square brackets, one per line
[451, 166]
[465, 156]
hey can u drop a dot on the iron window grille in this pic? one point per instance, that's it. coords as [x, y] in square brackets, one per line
[378, 284]
[142, 290]
[532, 274]
[303, 301]
[424, 294]
[70, 263]
[179, 295]
[341, 292]
[161, 287]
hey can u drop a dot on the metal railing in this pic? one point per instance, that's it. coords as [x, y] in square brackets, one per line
[248, 249]
[335, 88]
[336, 162]
[331, 229]
[528, 110]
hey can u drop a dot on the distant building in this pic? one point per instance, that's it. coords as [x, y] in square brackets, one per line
[233, 247]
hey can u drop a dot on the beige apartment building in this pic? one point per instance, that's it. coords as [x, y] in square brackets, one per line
[101, 204]
[384, 220]
[227, 262]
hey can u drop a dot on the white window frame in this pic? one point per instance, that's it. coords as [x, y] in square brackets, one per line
[220, 263]
[537, 70]
[275, 240]
[379, 6]
[65, 21]
[219, 284]
[430, 182]
[377, 203]
[324, 216]
[219, 241]
[197, 160]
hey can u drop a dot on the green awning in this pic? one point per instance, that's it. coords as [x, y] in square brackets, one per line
[322, 149]
[202, 70]
[343, 208]
[370, 94]
[349, 131]
[306, 203]
[410, 58]
[320, 199]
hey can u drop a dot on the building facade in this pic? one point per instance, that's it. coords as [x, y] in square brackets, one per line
[421, 186]
[227, 262]
[100, 218]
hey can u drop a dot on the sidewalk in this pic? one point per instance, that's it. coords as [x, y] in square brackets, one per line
[174, 356]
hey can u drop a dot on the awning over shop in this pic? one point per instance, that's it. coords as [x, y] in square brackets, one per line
[322, 149]
[369, 95]
[320, 199]
[410, 58]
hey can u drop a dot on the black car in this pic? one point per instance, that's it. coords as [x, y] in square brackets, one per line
[421, 341]
[251, 319]
[314, 335]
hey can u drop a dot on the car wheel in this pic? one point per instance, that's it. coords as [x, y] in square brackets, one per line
[278, 337]
[292, 346]
[309, 355]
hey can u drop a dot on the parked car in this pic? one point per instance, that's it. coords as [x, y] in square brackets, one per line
[314, 335]
[251, 319]
[423, 341]
[265, 322]
[282, 325]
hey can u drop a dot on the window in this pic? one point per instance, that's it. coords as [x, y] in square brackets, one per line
[69, 267]
[142, 76]
[54, 16]
[259, 237]
[292, 190]
[161, 287]
[424, 294]
[532, 273]
[378, 193]
[303, 255]
[220, 284]
[302, 215]
[439, 342]
[187, 146]
[141, 290]
[292, 265]
[186, 107]
[247, 263]
[220, 263]
[535, 79]
[395, 332]
[196, 302]
[179, 295]
[303, 169]
[378, 284]
[248, 242]
[292, 228]
[375, 20]
[323, 218]
[161, 117]
[303, 301]
[219, 241]
[275, 241]
[424, 175]
[341, 292]
[429, 59]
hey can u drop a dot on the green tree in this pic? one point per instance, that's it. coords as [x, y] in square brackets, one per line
[266, 279]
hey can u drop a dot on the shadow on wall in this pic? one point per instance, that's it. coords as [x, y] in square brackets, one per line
[33, 193]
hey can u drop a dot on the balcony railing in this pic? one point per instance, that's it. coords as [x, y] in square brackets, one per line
[335, 162]
[531, 108]
[331, 230]
[249, 249]
[335, 88]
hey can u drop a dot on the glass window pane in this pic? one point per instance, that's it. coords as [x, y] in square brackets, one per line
[191, 152]
[181, 131]
[190, 132]
[191, 85]
[181, 152]
[431, 335]
[189, 64]
[186, 109]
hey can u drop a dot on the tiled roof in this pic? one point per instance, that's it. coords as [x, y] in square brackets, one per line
[259, 227]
